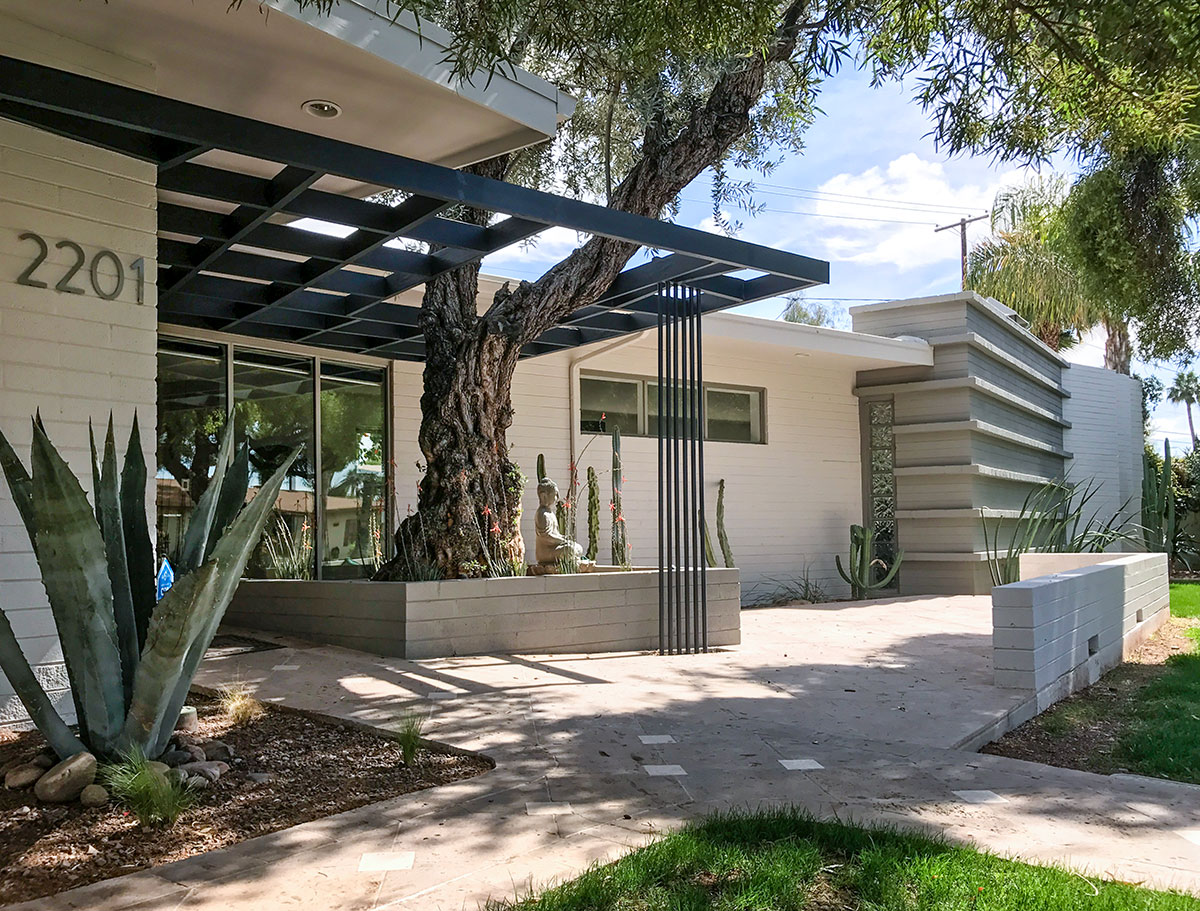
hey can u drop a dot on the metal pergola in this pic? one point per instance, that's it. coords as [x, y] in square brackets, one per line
[228, 260]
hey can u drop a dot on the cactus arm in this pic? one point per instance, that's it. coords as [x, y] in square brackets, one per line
[620, 543]
[709, 557]
[139, 552]
[195, 539]
[722, 536]
[71, 554]
[891, 573]
[41, 710]
[229, 558]
[541, 467]
[108, 505]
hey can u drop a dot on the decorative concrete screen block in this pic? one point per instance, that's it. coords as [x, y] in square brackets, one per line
[587, 612]
[1059, 631]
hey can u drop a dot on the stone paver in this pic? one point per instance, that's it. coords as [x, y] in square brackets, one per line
[857, 711]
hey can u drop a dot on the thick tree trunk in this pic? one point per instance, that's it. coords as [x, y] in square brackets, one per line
[468, 516]
[1118, 350]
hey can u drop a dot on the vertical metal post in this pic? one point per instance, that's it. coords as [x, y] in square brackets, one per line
[677, 445]
[701, 431]
[666, 416]
[685, 436]
[693, 475]
[662, 491]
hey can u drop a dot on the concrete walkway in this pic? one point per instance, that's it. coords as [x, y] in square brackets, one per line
[857, 711]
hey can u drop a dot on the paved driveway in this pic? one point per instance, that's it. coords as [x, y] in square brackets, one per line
[854, 710]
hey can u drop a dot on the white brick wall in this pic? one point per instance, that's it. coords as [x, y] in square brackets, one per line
[789, 503]
[1059, 631]
[73, 356]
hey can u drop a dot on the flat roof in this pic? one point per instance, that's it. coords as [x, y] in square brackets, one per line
[266, 58]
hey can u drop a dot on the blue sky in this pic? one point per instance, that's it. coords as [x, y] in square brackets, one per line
[865, 194]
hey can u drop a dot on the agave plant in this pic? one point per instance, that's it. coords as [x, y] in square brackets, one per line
[130, 661]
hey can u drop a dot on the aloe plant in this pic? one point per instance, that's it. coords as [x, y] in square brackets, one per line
[861, 572]
[130, 661]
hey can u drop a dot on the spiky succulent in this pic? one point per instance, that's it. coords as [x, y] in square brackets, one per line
[130, 661]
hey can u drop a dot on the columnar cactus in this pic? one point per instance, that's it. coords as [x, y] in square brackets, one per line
[620, 542]
[593, 486]
[722, 537]
[863, 565]
[1158, 505]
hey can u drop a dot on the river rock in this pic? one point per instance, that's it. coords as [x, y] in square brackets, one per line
[46, 759]
[260, 777]
[160, 767]
[198, 782]
[188, 720]
[217, 751]
[23, 776]
[93, 795]
[210, 770]
[177, 757]
[66, 781]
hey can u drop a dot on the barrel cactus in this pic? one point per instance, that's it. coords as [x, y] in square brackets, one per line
[130, 661]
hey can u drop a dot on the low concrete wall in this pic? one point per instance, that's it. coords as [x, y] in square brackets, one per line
[1059, 631]
[588, 612]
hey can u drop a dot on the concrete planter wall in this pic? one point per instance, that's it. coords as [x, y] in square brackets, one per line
[588, 612]
[1074, 616]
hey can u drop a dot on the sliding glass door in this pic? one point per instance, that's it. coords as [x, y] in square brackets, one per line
[336, 527]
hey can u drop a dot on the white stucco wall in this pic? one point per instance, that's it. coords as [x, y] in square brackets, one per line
[73, 356]
[789, 502]
[1105, 438]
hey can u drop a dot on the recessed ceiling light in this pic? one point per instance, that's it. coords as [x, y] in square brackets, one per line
[319, 107]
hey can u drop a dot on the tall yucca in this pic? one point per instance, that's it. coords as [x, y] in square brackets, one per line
[130, 661]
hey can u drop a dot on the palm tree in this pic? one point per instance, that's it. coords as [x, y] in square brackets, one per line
[1025, 265]
[1186, 390]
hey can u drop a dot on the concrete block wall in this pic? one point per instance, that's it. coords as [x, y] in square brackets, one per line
[588, 612]
[975, 432]
[73, 356]
[1059, 631]
[1105, 439]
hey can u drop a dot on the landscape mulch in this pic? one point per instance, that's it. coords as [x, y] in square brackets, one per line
[1087, 740]
[321, 767]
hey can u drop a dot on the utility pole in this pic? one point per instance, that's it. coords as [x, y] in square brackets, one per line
[961, 224]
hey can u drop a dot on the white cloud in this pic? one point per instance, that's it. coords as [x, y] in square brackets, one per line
[911, 243]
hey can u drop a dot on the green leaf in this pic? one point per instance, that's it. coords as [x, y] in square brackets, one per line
[232, 496]
[139, 551]
[196, 538]
[19, 483]
[165, 683]
[95, 470]
[70, 552]
[177, 622]
[108, 505]
[41, 710]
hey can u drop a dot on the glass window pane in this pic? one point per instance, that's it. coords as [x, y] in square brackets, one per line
[733, 415]
[606, 404]
[191, 415]
[273, 396]
[353, 477]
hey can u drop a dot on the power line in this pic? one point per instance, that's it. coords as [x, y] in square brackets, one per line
[888, 221]
[849, 199]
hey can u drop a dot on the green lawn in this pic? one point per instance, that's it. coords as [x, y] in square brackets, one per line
[1185, 599]
[1163, 736]
[784, 861]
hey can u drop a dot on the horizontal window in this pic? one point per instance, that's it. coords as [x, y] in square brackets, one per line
[732, 414]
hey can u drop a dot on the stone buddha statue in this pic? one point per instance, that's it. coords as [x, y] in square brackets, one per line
[552, 545]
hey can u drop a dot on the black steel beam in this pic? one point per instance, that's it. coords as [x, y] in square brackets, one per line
[60, 92]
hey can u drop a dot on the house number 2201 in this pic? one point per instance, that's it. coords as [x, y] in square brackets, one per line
[107, 286]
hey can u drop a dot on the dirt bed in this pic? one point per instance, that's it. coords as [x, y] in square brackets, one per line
[1081, 732]
[321, 767]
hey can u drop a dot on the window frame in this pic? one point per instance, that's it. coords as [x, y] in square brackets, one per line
[230, 343]
[644, 385]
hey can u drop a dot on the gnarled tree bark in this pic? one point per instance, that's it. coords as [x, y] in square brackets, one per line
[468, 510]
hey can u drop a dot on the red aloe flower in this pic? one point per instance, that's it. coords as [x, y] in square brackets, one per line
[487, 510]
[495, 528]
